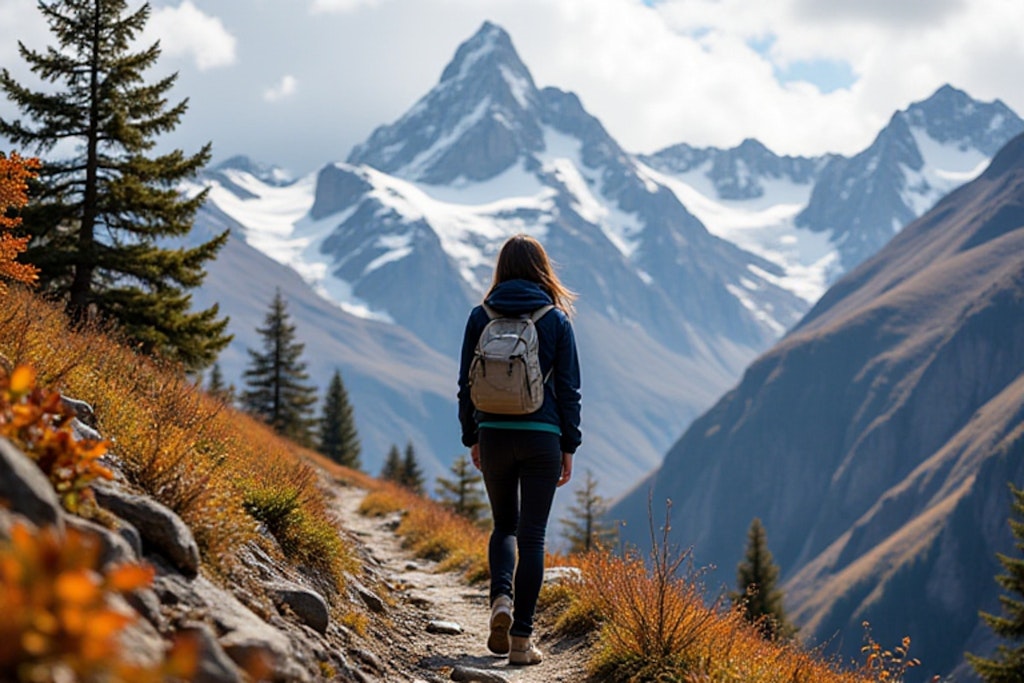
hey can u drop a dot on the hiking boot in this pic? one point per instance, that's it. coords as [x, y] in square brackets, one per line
[523, 651]
[501, 622]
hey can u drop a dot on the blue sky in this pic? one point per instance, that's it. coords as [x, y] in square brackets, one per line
[299, 82]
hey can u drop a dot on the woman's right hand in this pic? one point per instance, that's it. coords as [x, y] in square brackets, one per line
[474, 453]
[566, 469]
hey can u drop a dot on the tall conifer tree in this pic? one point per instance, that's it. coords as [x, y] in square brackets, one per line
[339, 439]
[101, 215]
[1007, 665]
[757, 583]
[277, 391]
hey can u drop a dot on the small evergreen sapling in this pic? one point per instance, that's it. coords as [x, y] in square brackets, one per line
[392, 468]
[339, 439]
[412, 475]
[584, 528]
[758, 593]
[217, 388]
[462, 494]
[276, 380]
[1007, 664]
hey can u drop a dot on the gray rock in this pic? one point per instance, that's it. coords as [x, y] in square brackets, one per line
[140, 642]
[145, 602]
[83, 432]
[82, 410]
[560, 574]
[114, 548]
[159, 526]
[369, 598]
[448, 628]
[308, 605]
[26, 489]
[131, 536]
[245, 637]
[470, 675]
[367, 658]
[214, 665]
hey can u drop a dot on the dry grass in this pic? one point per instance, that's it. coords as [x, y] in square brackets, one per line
[655, 623]
[431, 531]
[211, 464]
[649, 616]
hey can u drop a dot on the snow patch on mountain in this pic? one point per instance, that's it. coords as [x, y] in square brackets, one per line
[276, 223]
[425, 159]
[763, 226]
[946, 166]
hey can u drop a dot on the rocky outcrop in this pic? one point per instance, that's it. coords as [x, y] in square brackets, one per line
[277, 627]
[25, 488]
[160, 528]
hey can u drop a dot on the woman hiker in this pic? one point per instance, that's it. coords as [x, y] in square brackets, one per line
[523, 456]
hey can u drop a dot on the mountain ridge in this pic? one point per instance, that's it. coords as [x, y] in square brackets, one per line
[894, 410]
[676, 295]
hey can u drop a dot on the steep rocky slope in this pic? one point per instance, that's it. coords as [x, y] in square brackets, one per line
[875, 440]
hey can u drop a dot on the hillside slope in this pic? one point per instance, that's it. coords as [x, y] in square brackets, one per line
[876, 439]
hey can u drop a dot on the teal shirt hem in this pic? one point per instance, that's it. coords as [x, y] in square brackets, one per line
[523, 425]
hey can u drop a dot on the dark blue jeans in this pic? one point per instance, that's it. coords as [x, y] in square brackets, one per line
[521, 469]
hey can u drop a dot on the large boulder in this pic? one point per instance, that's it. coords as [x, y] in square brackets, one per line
[161, 529]
[25, 489]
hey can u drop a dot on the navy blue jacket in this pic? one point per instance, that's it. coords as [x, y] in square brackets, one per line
[557, 348]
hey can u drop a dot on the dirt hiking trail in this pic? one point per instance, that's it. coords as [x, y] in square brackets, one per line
[424, 597]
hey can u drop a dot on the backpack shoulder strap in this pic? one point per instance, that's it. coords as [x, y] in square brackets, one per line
[491, 313]
[541, 312]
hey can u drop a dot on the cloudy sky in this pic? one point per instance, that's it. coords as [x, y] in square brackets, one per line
[299, 82]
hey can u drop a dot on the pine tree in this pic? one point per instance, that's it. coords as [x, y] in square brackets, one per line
[15, 173]
[277, 392]
[411, 475]
[215, 386]
[339, 440]
[100, 218]
[756, 578]
[1007, 666]
[462, 494]
[584, 529]
[392, 469]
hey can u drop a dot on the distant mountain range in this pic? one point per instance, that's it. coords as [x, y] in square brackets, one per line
[876, 440]
[689, 263]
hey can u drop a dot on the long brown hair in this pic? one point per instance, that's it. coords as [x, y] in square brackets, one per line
[523, 258]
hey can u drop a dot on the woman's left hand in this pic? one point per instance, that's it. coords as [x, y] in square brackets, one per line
[474, 453]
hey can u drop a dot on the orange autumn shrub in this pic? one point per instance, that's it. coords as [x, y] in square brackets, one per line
[39, 424]
[59, 620]
[15, 173]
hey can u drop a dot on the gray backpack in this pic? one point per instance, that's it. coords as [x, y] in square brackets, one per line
[505, 376]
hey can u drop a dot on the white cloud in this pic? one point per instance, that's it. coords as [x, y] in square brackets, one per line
[340, 6]
[285, 88]
[186, 31]
[706, 72]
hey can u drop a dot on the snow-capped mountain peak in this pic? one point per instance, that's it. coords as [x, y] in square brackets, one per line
[490, 49]
[486, 101]
[687, 265]
[924, 152]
